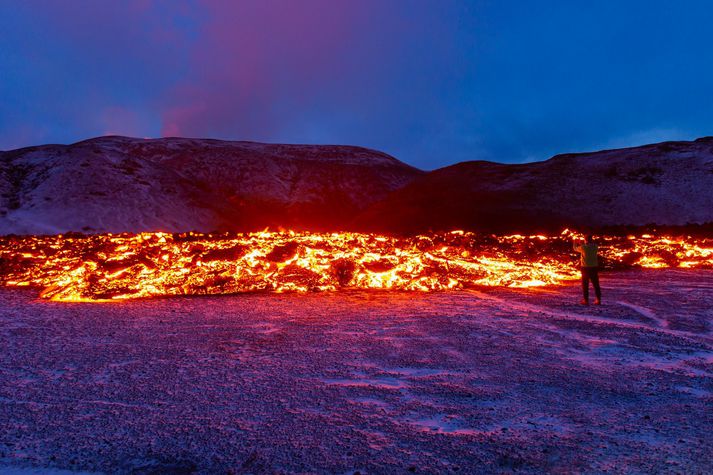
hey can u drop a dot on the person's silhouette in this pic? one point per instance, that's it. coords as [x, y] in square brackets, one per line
[589, 264]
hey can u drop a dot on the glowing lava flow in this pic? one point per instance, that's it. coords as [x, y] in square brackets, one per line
[111, 267]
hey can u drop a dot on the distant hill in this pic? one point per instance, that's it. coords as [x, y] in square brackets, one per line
[114, 184]
[669, 183]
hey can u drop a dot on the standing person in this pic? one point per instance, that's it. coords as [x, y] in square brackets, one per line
[590, 268]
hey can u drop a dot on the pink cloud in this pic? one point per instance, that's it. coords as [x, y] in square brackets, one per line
[250, 55]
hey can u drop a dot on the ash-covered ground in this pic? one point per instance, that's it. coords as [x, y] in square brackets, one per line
[371, 382]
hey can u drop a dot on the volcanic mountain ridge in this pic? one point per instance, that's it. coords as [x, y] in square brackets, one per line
[117, 184]
[121, 184]
[669, 183]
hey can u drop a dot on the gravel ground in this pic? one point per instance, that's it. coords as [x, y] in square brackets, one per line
[371, 382]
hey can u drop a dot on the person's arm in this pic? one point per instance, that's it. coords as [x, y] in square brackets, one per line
[576, 247]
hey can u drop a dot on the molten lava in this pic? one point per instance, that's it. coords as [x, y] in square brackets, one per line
[111, 267]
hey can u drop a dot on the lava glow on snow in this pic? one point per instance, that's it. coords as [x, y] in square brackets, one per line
[112, 267]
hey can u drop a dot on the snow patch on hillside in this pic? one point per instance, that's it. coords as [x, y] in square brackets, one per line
[115, 184]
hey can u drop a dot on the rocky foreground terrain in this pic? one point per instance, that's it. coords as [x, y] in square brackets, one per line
[497, 381]
[117, 184]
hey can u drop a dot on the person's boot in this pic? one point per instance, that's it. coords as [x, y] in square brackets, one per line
[598, 302]
[584, 302]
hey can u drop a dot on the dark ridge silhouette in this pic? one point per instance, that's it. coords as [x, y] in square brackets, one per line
[670, 183]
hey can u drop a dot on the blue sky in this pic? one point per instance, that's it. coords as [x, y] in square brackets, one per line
[431, 82]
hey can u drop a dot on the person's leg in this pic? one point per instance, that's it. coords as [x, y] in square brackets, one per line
[594, 275]
[585, 285]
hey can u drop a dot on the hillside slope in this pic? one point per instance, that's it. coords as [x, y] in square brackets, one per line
[668, 183]
[115, 184]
